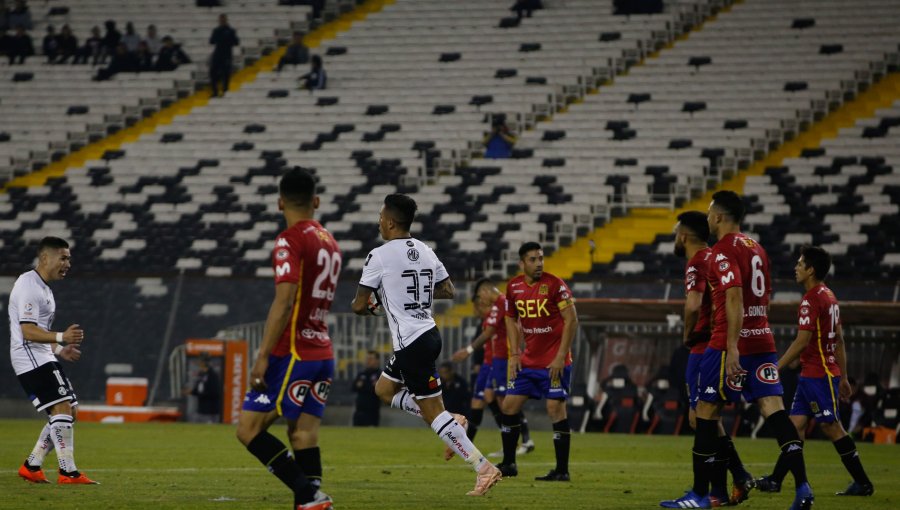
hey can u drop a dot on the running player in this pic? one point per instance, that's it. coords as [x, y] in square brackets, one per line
[483, 391]
[740, 358]
[543, 305]
[820, 347]
[31, 311]
[691, 235]
[407, 276]
[295, 363]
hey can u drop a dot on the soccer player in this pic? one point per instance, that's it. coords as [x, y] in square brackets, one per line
[482, 392]
[295, 363]
[740, 358]
[407, 276]
[544, 306]
[691, 235]
[820, 347]
[31, 310]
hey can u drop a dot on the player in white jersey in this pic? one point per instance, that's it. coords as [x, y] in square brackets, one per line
[407, 276]
[31, 311]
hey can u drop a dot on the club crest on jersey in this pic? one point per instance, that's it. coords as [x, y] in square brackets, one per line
[723, 266]
[412, 254]
[804, 311]
[281, 254]
[749, 243]
[767, 373]
[544, 290]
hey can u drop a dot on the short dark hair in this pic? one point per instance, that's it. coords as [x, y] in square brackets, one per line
[817, 258]
[695, 221]
[477, 287]
[402, 208]
[52, 243]
[375, 353]
[298, 186]
[316, 61]
[527, 247]
[731, 203]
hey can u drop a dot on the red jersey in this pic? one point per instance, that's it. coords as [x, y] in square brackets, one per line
[307, 254]
[739, 261]
[488, 346]
[497, 319]
[819, 313]
[696, 273]
[538, 308]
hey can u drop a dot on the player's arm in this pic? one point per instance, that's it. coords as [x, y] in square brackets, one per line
[570, 326]
[360, 303]
[485, 335]
[34, 333]
[734, 311]
[276, 321]
[840, 356]
[515, 341]
[444, 289]
[692, 304]
[796, 348]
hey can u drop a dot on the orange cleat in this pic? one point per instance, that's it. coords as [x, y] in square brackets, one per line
[32, 476]
[488, 476]
[75, 480]
[448, 452]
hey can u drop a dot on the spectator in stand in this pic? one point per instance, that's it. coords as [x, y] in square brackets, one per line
[67, 44]
[368, 406]
[19, 15]
[154, 43]
[111, 41]
[131, 39]
[500, 141]
[223, 38]
[92, 49]
[19, 46]
[315, 79]
[524, 8]
[455, 390]
[4, 23]
[50, 46]
[170, 55]
[296, 53]
[122, 62]
[144, 58]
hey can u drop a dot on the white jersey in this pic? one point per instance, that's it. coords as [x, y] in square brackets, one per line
[403, 273]
[31, 300]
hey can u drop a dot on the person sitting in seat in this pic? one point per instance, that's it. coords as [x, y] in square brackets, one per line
[315, 79]
[296, 53]
[170, 56]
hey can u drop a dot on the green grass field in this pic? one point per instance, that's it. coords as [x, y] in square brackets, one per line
[164, 466]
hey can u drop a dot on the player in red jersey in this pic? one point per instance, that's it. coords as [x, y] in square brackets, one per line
[295, 363]
[691, 236]
[820, 347]
[542, 304]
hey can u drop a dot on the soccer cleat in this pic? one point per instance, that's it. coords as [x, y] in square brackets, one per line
[689, 500]
[804, 498]
[464, 423]
[508, 470]
[553, 476]
[78, 479]
[740, 489]
[488, 476]
[321, 501]
[32, 476]
[766, 483]
[854, 489]
[713, 501]
[526, 447]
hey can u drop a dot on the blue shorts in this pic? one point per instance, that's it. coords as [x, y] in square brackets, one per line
[500, 375]
[484, 377]
[816, 397]
[759, 380]
[536, 383]
[293, 387]
[691, 375]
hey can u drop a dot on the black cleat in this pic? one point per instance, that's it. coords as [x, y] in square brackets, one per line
[740, 489]
[553, 476]
[857, 489]
[767, 484]
[508, 470]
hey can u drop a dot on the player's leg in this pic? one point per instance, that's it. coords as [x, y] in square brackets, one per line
[511, 427]
[390, 388]
[799, 416]
[826, 390]
[476, 416]
[742, 480]
[304, 434]
[562, 437]
[31, 468]
[482, 394]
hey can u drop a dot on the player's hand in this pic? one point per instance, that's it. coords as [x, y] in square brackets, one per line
[556, 367]
[733, 365]
[844, 390]
[460, 355]
[514, 366]
[73, 335]
[70, 353]
[258, 373]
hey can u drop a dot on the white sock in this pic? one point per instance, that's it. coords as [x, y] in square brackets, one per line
[454, 436]
[63, 436]
[41, 449]
[405, 401]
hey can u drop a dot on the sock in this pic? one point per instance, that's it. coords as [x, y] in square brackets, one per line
[41, 449]
[495, 410]
[705, 446]
[509, 433]
[474, 421]
[405, 401]
[63, 436]
[562, 437]
[846, 448]
[454, 436]
[780, 470]
[733, 460]
[790, 444]
[277, 458]
[526, 434]
[310, 462]
[718, 479]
